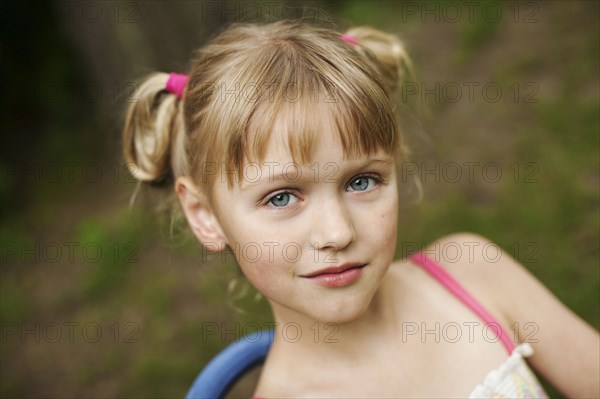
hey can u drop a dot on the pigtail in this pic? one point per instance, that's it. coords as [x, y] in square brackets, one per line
[153, 133]
[385, 53]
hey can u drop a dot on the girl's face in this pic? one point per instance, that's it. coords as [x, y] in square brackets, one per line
[286, 221]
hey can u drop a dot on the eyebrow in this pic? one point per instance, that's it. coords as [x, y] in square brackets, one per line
[291, 171]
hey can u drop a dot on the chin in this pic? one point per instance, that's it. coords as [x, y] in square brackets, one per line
[344, 312]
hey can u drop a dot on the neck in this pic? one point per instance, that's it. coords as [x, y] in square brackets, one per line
[300, 343]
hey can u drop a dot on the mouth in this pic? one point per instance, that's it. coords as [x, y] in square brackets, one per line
[337, 276]
[335, 269]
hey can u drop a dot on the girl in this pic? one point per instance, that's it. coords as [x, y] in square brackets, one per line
[282, 145]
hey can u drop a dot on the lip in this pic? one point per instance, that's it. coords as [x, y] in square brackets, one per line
[337, 276]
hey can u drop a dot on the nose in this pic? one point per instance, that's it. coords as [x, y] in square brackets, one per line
[332, 226]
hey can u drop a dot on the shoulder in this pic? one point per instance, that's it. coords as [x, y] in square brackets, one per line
[494, 278]
[472, 260]
[523, 303]
[485, 266]
[485, 270]
[469, 256]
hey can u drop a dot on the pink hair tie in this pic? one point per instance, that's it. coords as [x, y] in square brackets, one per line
[176, 83]
[348, 38]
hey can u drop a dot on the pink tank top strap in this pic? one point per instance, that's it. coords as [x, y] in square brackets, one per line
[458, 290]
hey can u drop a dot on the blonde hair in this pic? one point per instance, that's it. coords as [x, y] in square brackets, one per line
[247, 77]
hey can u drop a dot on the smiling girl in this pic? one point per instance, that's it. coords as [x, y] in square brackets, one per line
[284, 137]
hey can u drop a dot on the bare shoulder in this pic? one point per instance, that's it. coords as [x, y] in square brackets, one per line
[484, 265]
[470, 259]
[565, 346]
[464, 255]
[474, 261]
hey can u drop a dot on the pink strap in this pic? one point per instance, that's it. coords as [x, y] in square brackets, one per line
[176, 84]
[458, 290]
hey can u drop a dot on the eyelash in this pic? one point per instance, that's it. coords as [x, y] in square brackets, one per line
[377, 178]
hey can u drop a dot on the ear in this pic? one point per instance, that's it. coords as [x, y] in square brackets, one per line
[200, 216]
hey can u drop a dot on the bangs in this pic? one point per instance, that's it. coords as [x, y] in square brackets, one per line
[289, 82]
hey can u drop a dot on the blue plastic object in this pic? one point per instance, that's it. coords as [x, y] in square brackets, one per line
[230, 364]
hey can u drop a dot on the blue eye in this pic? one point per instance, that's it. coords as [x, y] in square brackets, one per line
[361, 183]
[282, 199]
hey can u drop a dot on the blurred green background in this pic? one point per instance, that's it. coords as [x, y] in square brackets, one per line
[100, 300]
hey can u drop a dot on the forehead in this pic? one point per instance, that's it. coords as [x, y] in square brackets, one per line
[327, 157]
[304, 131]
[300, 131]
[318, 135]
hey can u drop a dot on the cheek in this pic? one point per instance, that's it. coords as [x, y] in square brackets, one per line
[379, 231]
[268, 266]
[388, 229]
[271, 280]
[383, 224]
